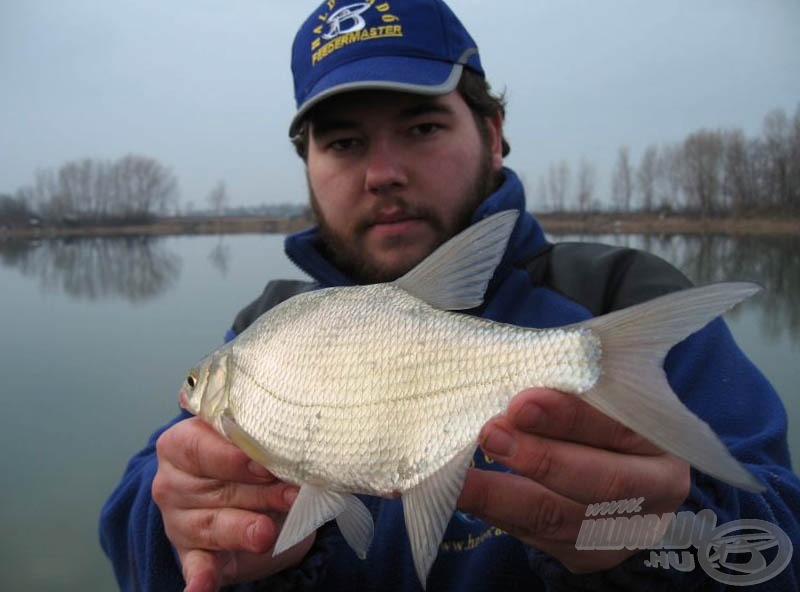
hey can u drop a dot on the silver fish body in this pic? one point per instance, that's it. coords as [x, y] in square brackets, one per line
[372, 390]
[382, 390]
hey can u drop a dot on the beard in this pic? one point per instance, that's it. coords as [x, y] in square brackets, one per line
[347, 252]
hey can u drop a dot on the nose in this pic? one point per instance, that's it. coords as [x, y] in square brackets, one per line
[385, 167]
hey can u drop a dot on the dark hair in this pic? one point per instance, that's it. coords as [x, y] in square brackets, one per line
[483, 103]
[472, 87]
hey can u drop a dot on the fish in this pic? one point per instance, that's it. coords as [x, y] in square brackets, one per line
[382, 389]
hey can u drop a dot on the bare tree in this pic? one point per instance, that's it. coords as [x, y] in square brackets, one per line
[739, 179]
[669, 180]
[558, 184]
[46, 194]
[781, 154]
[622, 181]
[702, 160]
[794, 162]
[14, 209]
[647, 176]
[96, 190]
[586, 181]
[145, 186]
[542, 198]
[709, 172]
[218, 198]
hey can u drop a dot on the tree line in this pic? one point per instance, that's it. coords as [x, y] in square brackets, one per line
[132, 188]
[710, 173]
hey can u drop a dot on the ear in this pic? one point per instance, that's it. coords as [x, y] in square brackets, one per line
[494, 125]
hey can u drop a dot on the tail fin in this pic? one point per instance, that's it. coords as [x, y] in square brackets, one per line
[633, 387]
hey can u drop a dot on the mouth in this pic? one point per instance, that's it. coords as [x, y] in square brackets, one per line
[394, 224]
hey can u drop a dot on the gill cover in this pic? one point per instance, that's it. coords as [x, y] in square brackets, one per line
[214, 397]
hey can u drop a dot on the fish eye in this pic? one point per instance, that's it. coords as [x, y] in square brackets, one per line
[191, 381]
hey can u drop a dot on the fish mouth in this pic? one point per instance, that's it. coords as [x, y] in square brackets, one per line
[183, 400]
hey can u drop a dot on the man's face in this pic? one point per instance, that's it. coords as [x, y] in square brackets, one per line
[393, 175]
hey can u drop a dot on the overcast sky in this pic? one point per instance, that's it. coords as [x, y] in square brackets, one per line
[205, 88]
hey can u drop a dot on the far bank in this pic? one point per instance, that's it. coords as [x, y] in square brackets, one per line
[553, 223]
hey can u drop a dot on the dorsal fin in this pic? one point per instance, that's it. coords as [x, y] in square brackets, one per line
[455, 276]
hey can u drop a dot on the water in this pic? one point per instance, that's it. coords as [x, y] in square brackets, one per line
[99, 333]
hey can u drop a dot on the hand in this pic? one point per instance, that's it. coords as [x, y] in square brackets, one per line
[222, 512]
[567, 455]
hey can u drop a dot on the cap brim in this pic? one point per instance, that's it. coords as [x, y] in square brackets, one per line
[401, 74]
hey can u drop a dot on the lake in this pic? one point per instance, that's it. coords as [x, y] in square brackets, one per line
[98, 335]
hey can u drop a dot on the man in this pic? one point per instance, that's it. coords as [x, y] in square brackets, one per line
[403, 145]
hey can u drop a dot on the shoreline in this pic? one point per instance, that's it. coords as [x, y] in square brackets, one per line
[659, 224]
[561, 223]
[165, 227]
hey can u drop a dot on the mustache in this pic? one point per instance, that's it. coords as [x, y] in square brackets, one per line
[397, 208]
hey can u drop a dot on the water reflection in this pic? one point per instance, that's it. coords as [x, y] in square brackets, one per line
[220, 256]
[139, 268]
[774, 262]
[131, 268]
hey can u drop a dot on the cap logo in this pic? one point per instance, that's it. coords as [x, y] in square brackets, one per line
[346, 25]
[346, 14]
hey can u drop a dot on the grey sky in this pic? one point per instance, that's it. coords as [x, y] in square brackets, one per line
[205, 87]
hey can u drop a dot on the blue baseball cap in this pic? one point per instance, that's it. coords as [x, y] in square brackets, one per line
[416, 46]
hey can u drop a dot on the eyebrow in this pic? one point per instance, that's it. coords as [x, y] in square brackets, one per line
[323, 125]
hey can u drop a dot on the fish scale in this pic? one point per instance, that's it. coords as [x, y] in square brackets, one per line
[416, 371]
[383, 390]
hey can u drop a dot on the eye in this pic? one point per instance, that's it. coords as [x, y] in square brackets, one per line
[191, 381]
[425, 129]
[343, 144]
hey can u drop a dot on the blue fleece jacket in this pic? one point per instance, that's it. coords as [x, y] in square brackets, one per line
[473, 555]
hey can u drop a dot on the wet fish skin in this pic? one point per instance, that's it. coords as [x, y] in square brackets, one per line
[381, 390]
[379, 411]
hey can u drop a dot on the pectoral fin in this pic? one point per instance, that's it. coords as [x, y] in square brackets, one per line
[428, 508]
[314, 507]
[251, 447]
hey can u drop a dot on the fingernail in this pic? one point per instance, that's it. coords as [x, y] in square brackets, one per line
[529, 416]
[257, 470]
[498, 442]
[290, 494]
[252, 533]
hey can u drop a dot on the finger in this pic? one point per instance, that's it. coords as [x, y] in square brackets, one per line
[521, 507]
[196, 448]
[566, 417]
[223, 529]
[583, 473]
[202, 571]
[536, 516]
[177, 489]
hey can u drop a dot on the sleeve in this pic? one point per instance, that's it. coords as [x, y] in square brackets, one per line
[132, 532]
[718, 383]
[132, 535]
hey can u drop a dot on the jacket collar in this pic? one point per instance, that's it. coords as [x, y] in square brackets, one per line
[303, 247]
